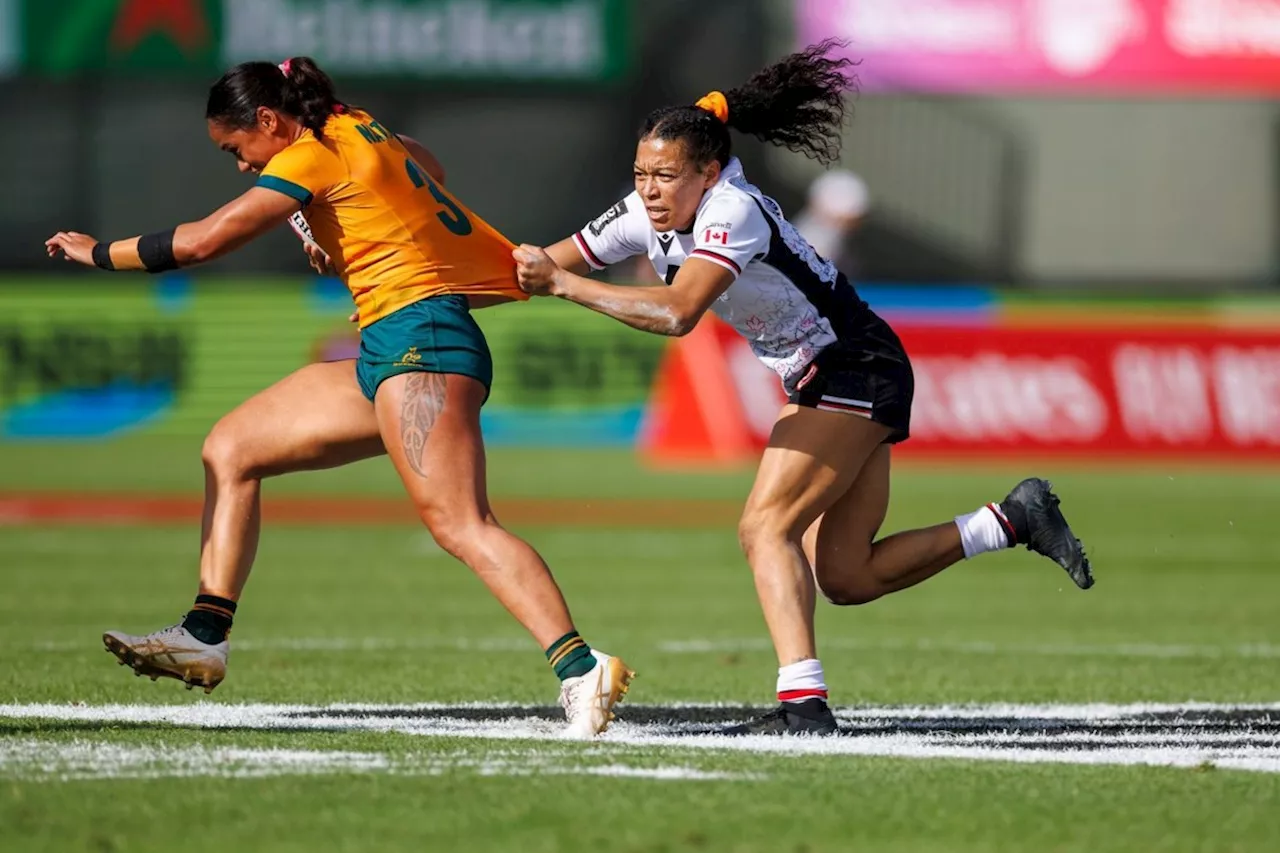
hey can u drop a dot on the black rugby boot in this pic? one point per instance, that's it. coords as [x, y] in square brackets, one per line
[1037, 522]
[810, 717]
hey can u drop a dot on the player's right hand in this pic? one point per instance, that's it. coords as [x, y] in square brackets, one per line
[535, 271]
[73, 245]
[320, 262]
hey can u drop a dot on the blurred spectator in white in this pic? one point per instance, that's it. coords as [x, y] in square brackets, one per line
[838, 200]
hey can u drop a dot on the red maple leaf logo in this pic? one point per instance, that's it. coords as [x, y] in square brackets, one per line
[183, 21]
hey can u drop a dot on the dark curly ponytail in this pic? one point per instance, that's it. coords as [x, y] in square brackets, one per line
[297, 87]
[798, 102]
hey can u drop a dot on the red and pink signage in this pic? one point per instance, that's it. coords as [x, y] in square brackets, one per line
[1101, 391]
[1181, 392]
[1008, 46]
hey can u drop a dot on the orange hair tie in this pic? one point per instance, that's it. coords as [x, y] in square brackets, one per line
[715, 103]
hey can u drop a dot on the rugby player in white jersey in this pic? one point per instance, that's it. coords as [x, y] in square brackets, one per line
[822, 489]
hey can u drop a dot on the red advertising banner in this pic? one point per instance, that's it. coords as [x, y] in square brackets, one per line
[1199, 391]
[1165, 392]
[1108, 46]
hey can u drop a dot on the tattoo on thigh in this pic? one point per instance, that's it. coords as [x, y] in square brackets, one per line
[423, 402]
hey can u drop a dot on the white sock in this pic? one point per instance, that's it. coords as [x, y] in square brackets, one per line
[984, 530]
[800, 681]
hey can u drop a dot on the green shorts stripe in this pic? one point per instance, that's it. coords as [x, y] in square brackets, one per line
[435, 335]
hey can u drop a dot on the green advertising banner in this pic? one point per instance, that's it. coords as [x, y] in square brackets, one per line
[78, 36]
[582, 41]
[87, 360]
[10, 37]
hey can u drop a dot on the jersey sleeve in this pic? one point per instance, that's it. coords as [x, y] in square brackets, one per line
[299, 172]
[619, 233]
[731, 231]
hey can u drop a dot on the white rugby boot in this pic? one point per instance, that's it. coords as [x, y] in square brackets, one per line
[588, 700]
[172, 653]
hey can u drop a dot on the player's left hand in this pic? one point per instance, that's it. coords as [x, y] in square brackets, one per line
[320, 262]
[73, 245]
[535, 271]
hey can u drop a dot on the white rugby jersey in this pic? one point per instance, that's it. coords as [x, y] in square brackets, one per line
[788, 302]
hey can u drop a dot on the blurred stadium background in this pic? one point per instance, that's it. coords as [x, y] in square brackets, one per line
[1010, 164]
[1067, 207]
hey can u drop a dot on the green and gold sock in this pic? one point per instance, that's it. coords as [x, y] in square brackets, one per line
[570, 656]
[209, 619]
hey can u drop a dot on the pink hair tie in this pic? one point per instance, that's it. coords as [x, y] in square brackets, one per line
[285, 66]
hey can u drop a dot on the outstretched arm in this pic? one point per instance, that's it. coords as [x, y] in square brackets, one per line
[565, 255]
[225, 230]
[673, 310]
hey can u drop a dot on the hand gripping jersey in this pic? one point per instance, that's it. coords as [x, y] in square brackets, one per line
[788, 302]
[394, 235]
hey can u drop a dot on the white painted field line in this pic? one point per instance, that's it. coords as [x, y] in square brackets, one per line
[905, 746]
[522, 645]
[41, 760]
[901, 746]
[1255, 746]
[34, 758]
[208, 711]
[1097, 711]
[667, 773]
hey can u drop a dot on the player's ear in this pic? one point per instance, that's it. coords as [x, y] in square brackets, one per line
[711, 174]
[267, 120]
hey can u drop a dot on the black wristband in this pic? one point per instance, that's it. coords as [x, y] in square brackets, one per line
[156, 251]
[102, 256]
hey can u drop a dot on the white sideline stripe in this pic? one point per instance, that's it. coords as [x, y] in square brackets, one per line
[1176, 750]
[206, 713]
[33, 758]
[732, 644]
[41, 760]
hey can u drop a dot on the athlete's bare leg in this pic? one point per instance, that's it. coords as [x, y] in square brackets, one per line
[812, 459]
[850, 566]
[314, 418]
[431, 426]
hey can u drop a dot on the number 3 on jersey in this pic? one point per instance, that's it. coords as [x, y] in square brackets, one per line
[452, 217]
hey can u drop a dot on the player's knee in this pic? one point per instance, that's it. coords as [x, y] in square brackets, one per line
[224, 453]
[757, 529]
[848, 596]
[845, 577]
[453, 531]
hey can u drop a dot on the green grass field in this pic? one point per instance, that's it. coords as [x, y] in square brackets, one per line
[1185, 611]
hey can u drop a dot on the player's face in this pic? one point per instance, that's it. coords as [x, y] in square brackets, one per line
[254, 147]
[670, 184]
